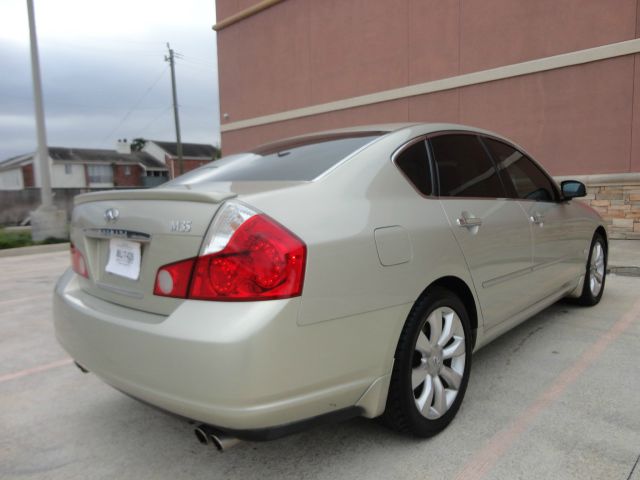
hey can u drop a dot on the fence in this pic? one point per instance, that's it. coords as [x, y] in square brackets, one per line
[16, 205]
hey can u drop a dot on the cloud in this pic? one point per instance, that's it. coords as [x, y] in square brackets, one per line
[104, 74]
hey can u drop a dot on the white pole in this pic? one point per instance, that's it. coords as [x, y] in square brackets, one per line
[43, 152]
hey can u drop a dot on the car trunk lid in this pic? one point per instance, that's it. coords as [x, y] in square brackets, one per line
[126, 235]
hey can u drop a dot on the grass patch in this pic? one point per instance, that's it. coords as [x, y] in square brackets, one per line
[23, 239]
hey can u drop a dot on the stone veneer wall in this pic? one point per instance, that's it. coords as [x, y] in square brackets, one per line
[617, 199]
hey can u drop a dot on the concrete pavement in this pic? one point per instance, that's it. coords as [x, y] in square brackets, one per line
[556, 398]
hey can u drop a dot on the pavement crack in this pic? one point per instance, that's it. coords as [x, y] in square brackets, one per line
[633, 469]
[526, 338]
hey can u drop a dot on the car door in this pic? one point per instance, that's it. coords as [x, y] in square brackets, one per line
[493, 232]
[557, 237]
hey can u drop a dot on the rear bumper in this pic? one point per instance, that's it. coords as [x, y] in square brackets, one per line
[239, 366]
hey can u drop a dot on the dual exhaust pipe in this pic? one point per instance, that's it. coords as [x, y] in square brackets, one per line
[207, 434]
[204, 433]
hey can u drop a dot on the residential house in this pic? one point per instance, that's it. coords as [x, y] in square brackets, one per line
[85, 168]
[194, 155]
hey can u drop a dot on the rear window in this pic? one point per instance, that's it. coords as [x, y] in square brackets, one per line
[301, 159]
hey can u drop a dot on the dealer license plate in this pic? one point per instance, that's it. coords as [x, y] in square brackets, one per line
[124, 258]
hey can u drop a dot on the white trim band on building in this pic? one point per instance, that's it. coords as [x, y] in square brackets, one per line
[626, 178]
[578, 57]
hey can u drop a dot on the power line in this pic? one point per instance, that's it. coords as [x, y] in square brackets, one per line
[196, 59]
[198, 65]
[203, 65]
[135, 105]
[155, 119]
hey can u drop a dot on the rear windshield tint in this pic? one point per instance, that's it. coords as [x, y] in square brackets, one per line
[293, 160]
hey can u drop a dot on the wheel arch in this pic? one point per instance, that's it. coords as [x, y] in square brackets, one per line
[460, 288]
[602, 231]
[373, 401]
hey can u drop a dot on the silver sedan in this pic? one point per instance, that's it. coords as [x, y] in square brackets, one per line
[343, 273]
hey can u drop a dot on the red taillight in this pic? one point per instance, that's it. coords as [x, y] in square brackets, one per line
[173, 280]
[263, 260]
[78, 263]
[254, 258]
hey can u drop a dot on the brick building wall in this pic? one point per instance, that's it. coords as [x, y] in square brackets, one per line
[319, 65]
[28, 176]
[121, 179]
[188, 163]
[619, 205]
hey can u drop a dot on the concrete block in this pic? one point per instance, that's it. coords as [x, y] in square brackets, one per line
[617, 235]
[600, 210]
[48, 222]
[608, 194]
[623, 223]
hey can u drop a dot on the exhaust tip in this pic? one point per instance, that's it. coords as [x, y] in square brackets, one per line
[205, 434]
[217, 443]
[201, 435]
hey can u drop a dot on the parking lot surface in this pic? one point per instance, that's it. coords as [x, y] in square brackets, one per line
[557, 397]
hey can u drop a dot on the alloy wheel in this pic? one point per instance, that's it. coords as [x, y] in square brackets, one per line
[438, 362]
[596, 269]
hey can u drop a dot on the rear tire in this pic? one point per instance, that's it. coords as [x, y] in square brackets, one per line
[432, 364]
[596, 272]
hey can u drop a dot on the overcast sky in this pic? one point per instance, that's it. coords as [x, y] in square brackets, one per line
[103, 72]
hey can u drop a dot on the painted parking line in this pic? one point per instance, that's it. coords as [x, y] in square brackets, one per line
[498, 445]
[38, 369]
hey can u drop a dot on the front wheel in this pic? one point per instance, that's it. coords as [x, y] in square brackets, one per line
[432, 364]
[596, 272]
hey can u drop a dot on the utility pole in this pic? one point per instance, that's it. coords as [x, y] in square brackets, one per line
[170, 58]
[43, 153]
[46, 220]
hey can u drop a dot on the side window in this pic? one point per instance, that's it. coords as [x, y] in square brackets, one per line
[527, 180]
[464, 168]
[414, 163]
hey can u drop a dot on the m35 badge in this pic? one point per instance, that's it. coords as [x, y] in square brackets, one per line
[181, 226]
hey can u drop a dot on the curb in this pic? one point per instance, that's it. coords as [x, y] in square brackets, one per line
[16, 252]
[624, 271]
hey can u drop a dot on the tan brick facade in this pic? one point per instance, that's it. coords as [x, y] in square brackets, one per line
[619, 205]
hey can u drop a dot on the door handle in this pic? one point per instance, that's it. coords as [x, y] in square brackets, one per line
[468, 221]
[537, 218]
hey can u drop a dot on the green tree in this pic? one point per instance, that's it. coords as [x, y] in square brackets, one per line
[137, 144]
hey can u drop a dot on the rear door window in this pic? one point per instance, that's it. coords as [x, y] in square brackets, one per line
[464, 168]
[301, 159]
[413, 161]
[524, 179]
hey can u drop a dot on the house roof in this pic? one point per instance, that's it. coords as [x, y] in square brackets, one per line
[13, 162]
[196, 150]
[148, 162]
[89, 155]
[95, 155]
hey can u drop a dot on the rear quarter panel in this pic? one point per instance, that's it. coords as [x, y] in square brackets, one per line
[337, 215]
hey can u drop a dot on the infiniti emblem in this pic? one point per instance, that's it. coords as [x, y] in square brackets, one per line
[111, 215]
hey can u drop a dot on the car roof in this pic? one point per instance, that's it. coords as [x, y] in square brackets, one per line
[419, 129]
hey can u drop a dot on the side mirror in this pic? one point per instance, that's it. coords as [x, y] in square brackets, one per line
[573, 189]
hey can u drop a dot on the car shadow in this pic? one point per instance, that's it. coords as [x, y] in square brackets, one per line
[155, 436]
